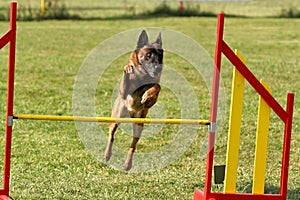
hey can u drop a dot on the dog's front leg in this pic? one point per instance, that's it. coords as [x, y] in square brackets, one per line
[151, 95]
[128, 75]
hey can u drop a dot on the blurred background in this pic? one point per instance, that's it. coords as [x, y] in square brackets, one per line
[114, 9]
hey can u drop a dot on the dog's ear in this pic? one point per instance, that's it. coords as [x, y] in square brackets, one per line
[143, 40]
[159, 41]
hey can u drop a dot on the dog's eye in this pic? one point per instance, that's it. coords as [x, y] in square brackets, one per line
[149, 55]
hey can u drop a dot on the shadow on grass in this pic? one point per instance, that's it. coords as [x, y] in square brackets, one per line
[142, 16]
[271, 189]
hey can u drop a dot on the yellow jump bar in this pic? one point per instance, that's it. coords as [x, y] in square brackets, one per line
[110, 119]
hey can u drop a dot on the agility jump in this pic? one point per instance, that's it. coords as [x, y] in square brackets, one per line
[267, 102]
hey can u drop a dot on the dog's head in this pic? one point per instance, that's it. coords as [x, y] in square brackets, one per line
[149, 55]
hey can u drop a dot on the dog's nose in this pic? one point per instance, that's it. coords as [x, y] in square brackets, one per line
[157, 68]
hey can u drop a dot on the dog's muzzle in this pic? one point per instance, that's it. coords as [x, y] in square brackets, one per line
[153, 69]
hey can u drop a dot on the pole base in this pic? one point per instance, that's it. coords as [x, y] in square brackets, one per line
[4, 197]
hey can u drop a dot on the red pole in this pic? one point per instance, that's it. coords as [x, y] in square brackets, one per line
[10, 96]
[181, 5]
[286, 145]
[254, 82]
[214, 105]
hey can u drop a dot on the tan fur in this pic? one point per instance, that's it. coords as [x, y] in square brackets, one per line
[139, 90]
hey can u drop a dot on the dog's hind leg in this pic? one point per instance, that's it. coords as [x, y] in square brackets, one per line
[119, 110]
[137, 128]
[108, 151]
[137, 132]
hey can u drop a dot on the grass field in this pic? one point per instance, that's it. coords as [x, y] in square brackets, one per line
[49, 161]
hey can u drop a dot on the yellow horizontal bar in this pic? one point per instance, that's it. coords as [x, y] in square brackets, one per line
[110, 119]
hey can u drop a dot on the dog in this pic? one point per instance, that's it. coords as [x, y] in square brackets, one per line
[139, 90]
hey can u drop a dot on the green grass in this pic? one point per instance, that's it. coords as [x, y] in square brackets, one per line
[49, 160]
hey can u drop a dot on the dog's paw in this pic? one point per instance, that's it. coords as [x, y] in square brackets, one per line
[108, 152]
[145, 97]
[128, 162]
[128, 69]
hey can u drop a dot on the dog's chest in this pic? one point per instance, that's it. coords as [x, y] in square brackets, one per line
[139, 83]
[140, 77]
